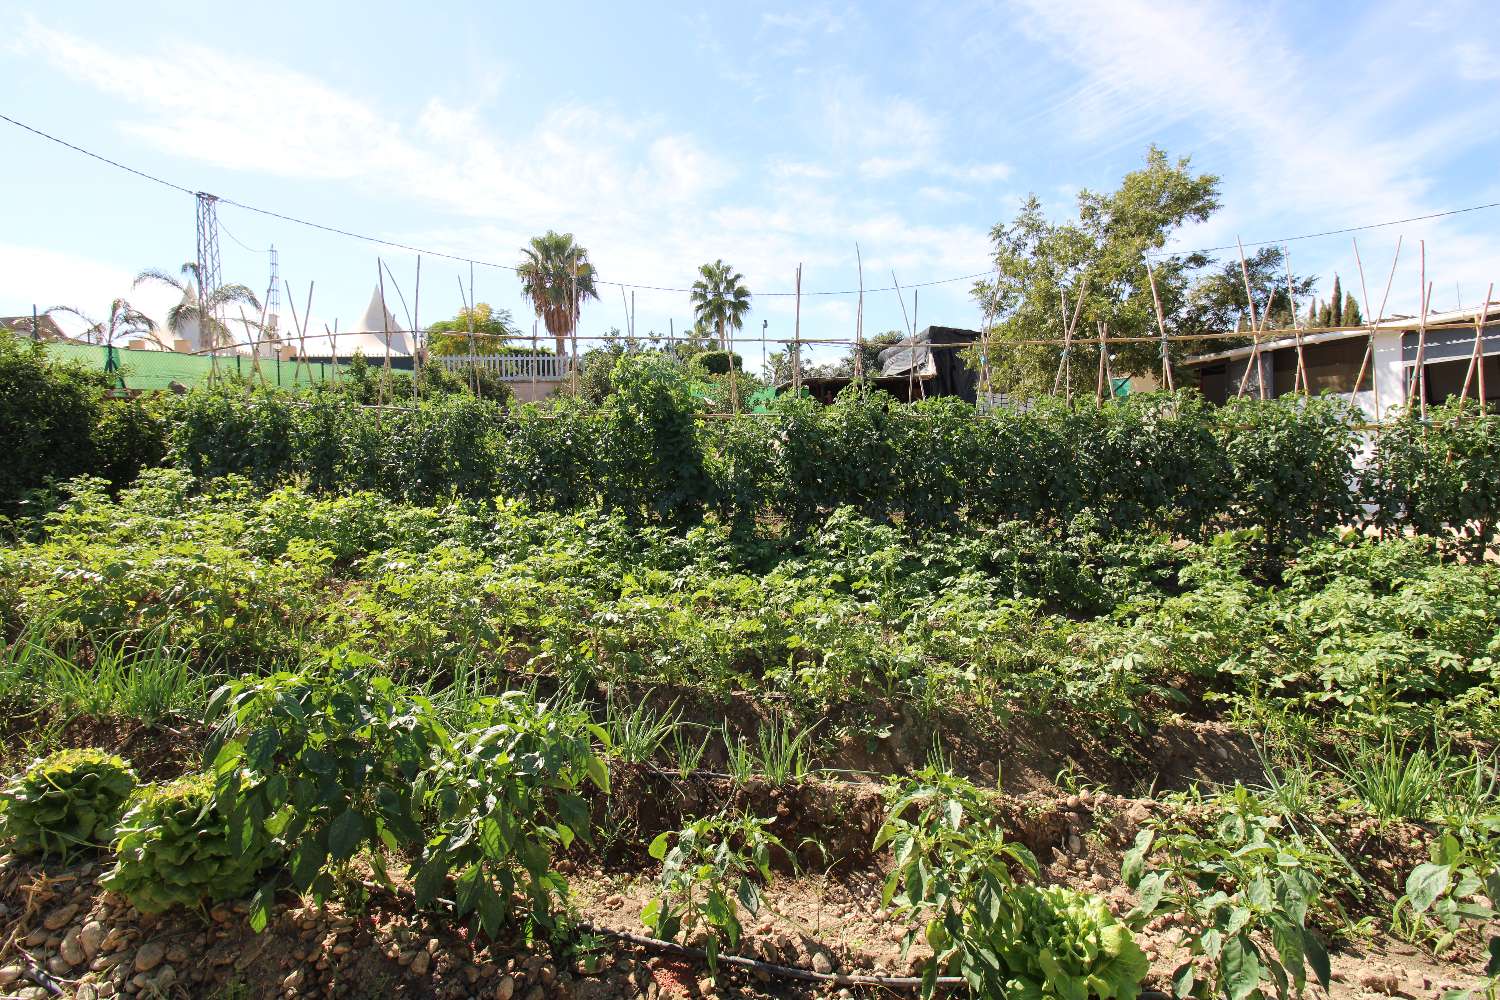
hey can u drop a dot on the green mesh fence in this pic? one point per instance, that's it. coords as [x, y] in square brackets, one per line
[148, 370]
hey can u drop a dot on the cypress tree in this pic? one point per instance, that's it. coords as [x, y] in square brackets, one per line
[1336, 301]
[1351, 311]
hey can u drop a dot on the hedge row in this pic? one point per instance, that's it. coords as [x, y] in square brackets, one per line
[1162, 462]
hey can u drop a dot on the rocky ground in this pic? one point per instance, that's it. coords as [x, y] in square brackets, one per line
[59, 928]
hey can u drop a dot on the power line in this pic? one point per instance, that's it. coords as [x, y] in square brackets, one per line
[665, 288]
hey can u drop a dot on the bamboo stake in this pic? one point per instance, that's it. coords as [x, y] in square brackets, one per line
[797, 334]
[859, 318]
[302, 328]
[385, 324]
[1476, 360]
[1254, 361]
[1161, 325]
[573, 324]
[1374, 320]
[416, 324]
[911, 340]
[1291, 301]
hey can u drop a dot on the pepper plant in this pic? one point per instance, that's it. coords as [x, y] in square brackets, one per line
[502, 798]
[715, 867]
[1233, 891]
[953, 871]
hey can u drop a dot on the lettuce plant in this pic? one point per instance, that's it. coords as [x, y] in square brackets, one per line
[174, 849]
[65, 802]
[1068, 945]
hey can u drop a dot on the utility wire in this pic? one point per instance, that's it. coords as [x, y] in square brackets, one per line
[664, 288]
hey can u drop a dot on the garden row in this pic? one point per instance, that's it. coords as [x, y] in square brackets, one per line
[1159, 462]
[1074, 626]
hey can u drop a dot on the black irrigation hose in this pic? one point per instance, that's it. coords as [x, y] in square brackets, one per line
[756, 965]
[792, 971]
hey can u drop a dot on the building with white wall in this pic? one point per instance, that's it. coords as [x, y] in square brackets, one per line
[1333, 359]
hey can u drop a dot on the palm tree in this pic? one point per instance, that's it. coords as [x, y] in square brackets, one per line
[556, 277]
[195, 309]
[123, 319]
[721, 299]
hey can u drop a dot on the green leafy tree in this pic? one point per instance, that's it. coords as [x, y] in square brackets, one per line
[556, 277]
[491, 329]
[720, 300]
[203, 310]
[1039, 261]
[1216, 300]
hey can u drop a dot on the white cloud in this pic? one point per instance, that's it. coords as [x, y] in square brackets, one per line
[1231, 72]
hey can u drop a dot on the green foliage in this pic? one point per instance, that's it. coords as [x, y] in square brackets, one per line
[1437, 477]
[1241, 895]
[1067, 945]
[715, 867]
[501, 799]
[175, 847]
[130, 436]
[954, 873]
[326, 761]
[1038, 260]
[47, 416]
[65, 802]
[718, 362]
[1457, 888]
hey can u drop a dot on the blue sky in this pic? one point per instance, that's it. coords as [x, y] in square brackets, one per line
[666, 135]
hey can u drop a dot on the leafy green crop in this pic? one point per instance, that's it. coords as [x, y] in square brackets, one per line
[174, 848]
[499, 801]
[326, 761]
[65, 802]
[1067, 945]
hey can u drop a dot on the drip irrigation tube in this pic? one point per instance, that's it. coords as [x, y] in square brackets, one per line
[756, 965]
[792, 971]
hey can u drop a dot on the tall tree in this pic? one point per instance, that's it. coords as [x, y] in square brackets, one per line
[492, 326]
[556, 277]
[1216, 301]
[1040, 261]
[1352, 316]
[720, 299]
[197, 309]
[1336, 303]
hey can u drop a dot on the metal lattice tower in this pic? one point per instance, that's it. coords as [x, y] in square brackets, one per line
[273, 300]
[209, 277]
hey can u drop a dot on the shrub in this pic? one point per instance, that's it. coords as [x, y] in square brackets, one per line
[47, 417]
[131, 436]
[718, 362]
[174, 848]
[1438, 477]
[65, 802]
[231, 428]
[325, 760]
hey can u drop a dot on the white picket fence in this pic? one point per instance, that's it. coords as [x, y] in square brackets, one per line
[511, 367]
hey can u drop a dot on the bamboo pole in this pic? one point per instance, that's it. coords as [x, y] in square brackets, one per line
[1476, 360]
[1254, 361]
[1373, 320]
[416, 323]
[797, 334]
[1161, 325]
[859, 318]
[1291, 302]
[573, 324]
[386, 326]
